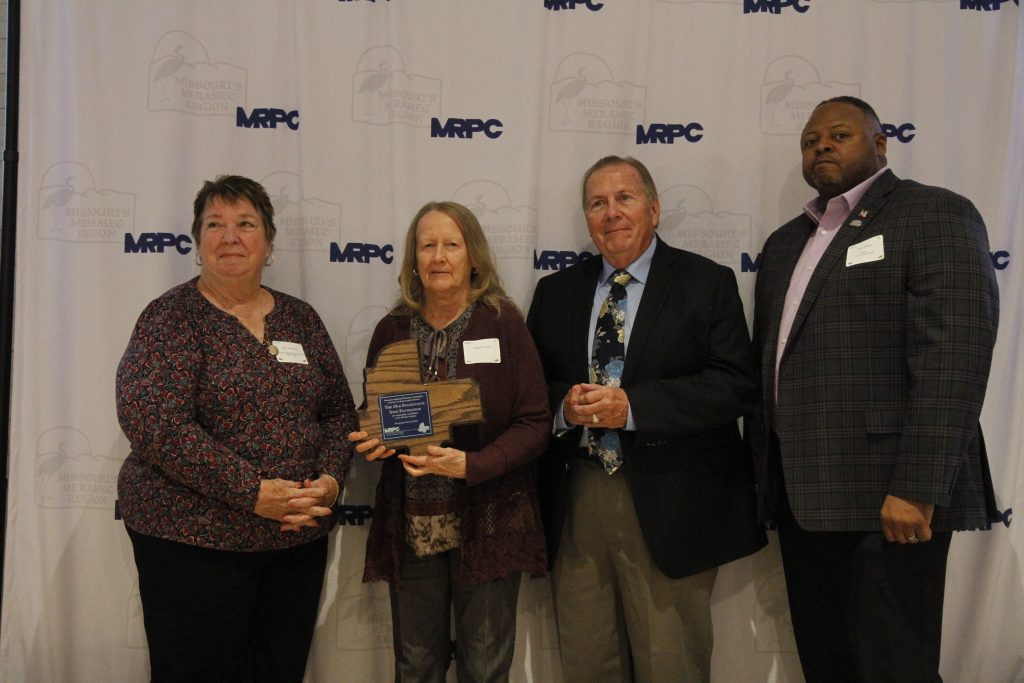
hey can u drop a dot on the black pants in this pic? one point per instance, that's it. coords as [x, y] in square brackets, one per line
[214, 615]
[864, 609]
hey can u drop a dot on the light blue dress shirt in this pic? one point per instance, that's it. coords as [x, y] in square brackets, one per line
[639, 271]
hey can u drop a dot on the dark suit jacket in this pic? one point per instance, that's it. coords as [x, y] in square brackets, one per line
[885, 368]
[689, 376]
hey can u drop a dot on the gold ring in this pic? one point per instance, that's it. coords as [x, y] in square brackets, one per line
[594, 418]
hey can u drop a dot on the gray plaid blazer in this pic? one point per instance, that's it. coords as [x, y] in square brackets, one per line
[884, 373]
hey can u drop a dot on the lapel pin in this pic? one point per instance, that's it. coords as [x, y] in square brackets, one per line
[863, 213]
[855, 224]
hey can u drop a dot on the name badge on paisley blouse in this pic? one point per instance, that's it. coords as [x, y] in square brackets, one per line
[290, 352]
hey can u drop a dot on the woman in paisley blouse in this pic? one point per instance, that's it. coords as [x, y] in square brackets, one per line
[458, 527]
[236, 407]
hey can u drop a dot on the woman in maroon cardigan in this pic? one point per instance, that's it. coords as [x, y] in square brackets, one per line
[460, 525]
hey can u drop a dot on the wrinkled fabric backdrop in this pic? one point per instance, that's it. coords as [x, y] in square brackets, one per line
[353, 114]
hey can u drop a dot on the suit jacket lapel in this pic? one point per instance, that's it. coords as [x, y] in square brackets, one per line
[853, 228]
[578, 314]
[656, 291]
[791, 254]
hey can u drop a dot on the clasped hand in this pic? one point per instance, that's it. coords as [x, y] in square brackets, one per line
[295, 504]
[906, 521]
[595, 405]
[445, 462]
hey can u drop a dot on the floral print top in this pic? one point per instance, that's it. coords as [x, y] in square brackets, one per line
[431, 512]
[209, 412]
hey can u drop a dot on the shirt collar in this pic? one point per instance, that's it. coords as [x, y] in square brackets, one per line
[852, 197]
[638, 269]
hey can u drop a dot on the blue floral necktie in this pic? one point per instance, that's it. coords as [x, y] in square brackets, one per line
[606, 363]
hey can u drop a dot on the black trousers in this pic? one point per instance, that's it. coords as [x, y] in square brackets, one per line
[863, 609]
[214, 615]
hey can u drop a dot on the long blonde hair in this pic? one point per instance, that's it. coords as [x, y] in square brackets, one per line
[485, 284]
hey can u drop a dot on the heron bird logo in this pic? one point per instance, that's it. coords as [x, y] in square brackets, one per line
[373, 83]
[569, 91]
[59, 198]
[169, 65]
[779, 93]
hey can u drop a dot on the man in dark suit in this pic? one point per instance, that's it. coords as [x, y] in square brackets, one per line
[646, 487]
[875, 317]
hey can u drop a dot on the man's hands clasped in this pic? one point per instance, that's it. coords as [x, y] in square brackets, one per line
[596, 405]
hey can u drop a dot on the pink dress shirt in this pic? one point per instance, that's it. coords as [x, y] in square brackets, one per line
[836, 211]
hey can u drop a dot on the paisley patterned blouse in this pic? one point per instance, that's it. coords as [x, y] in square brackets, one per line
[209, 413]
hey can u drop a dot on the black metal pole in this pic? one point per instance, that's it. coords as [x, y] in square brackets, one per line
[7, 244]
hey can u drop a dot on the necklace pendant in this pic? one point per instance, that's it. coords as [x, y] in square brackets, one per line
[272, 348]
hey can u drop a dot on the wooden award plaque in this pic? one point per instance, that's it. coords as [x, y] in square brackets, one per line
[403, 411]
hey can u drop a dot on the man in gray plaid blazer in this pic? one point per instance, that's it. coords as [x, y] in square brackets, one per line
[875, 318]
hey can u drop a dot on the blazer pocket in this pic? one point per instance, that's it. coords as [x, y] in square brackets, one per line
[883, 422]
[682, 455]
[874, 279]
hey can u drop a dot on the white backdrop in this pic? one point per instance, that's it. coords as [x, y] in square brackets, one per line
[126, 106]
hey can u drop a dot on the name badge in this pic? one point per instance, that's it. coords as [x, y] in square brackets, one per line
[481, 351]
[867, 251]
[290, 352]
